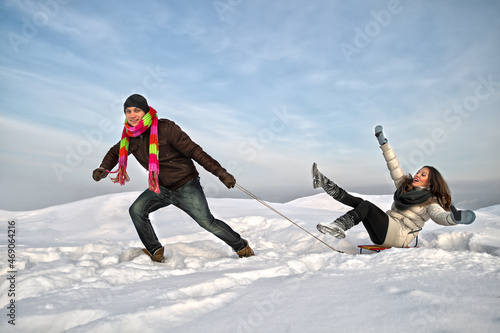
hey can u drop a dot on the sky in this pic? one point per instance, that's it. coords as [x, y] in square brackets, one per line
[266, 88]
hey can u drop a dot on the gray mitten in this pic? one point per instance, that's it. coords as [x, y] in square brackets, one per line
[379, 133]
[462, 216]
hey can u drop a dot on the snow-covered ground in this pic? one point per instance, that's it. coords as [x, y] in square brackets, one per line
[79, 268]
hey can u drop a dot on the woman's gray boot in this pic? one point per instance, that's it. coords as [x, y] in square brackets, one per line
[338, 227]
[320, 180]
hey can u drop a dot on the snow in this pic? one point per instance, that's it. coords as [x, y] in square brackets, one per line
[79, 268]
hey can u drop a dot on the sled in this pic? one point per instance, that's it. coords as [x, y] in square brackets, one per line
[378, 248]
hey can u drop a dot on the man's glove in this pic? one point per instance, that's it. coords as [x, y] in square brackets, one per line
[379, 133]
[99, 173]
[462, 216]
[227, 179]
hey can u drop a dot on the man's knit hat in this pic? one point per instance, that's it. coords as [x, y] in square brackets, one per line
[137, 101]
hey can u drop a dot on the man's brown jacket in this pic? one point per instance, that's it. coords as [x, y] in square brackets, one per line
[176, 154]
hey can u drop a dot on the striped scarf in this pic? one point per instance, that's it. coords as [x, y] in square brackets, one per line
[150, 120]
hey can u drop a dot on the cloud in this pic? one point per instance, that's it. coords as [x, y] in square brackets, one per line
[224, 81]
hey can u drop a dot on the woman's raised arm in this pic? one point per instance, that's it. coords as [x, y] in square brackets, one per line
[390, 157]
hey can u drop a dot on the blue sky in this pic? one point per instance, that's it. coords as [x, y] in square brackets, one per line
[265, 87]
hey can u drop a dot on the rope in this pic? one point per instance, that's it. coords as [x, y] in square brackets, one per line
[286, 218]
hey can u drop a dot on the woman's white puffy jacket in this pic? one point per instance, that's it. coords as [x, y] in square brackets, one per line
[410, 221]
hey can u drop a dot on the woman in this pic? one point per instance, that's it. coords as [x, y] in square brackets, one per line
[416, 200]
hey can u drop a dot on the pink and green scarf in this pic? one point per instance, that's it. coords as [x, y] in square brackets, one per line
[150, 120]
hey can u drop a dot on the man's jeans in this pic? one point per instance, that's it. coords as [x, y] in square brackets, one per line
[191, 199]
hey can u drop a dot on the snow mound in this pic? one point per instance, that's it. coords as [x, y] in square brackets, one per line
[79, 268]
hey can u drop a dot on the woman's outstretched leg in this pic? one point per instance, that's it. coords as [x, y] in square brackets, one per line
[332, 189]
[374, 219]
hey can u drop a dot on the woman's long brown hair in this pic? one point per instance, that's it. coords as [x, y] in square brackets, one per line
[437, 185]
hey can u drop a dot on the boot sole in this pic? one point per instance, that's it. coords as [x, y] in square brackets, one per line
[329, 230]
[316, 181]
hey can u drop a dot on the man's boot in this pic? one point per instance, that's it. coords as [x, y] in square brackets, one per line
[157, 256]
[246, 251]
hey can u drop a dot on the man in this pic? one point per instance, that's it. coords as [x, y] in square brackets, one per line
[167, 152]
